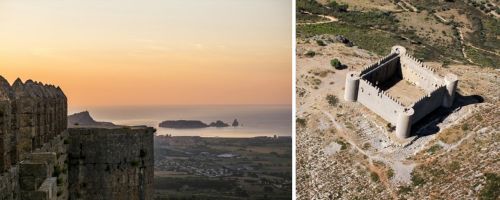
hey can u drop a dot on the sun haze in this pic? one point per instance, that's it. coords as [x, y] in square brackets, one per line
[151, 52]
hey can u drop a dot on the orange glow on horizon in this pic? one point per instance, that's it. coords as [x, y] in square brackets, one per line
[132, 52]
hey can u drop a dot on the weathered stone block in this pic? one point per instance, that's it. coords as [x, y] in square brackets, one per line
[32, 175]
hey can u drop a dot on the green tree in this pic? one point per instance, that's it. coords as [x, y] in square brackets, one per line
[336, 63]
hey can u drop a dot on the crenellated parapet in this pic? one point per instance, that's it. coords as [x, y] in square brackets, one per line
[32, 113]
[372, 84]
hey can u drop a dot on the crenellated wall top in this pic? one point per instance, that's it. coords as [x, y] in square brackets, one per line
[29, 89]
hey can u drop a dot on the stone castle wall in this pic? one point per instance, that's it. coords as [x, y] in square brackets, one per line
[415, 72]
[40, 158]
[116, 163]
[379, 101]
[428, 103]
[365, 87]
[32, 148]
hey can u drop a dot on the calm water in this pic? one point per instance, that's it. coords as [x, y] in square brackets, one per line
[255, 120]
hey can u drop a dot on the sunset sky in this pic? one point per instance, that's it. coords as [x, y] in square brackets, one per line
[151, 52]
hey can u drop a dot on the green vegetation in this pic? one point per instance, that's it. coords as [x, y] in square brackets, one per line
[481, 58]
[490, 190]
[377, 31]
[372, 40]
[343, 144]
[336, 63]
[454, 166]
[301, 122]
[390, 173]
[416, 179]
[374, 177]
[320, 42]
[310, 54]
[332, 100]
[404, 189]
[434, 148]
[316, 81]
[465, 127]
[306, 18]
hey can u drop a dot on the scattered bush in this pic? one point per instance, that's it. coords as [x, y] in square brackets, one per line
[332, 100]
[490, 190]
[434, 148]
[417, 179]
[310, 54]
[390, 127]
[404, 189]
[454, 166]
[301, 122]
[321, 43]
[374, 177]
[336, 63]
[390, 173]
[465, 127]
[343, 145]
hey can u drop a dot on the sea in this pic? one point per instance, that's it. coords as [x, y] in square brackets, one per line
[255, 120]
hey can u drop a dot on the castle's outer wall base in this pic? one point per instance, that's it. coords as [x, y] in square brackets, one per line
[428, 104]
[379, 103]
[111, 163]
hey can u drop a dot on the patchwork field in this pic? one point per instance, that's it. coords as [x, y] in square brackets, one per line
[223, 168]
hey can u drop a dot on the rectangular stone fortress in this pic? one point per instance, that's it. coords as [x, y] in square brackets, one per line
[41, 159]
[400, 89]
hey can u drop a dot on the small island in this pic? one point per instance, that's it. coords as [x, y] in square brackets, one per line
[189, 124]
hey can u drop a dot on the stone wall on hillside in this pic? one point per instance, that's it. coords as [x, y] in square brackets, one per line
[111, 163]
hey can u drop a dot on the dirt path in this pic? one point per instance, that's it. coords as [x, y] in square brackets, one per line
[470, 45]
[328, 19]
[461, 38]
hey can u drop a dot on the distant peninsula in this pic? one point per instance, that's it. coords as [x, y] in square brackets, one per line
[188, 124]
[83, 119]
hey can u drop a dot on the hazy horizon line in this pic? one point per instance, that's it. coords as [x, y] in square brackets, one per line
[159, 105]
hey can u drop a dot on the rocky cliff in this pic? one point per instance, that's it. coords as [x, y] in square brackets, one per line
[84, 119]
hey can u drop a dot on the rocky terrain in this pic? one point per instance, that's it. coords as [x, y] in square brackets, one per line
[344, 151]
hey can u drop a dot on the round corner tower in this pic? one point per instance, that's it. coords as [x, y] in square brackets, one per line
[351, 86]
[451, 81]
[403, 126]
[398, 50]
